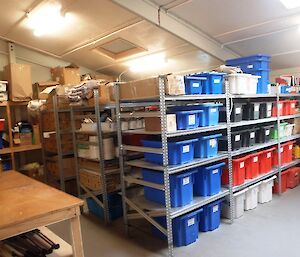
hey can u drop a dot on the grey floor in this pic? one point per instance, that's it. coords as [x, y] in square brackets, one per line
[271, 230]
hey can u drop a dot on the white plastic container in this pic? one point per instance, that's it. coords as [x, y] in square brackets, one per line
[265, 193]
[289, 129]
[251, 197]
[124, 125]
[239, 199]
[242, 84]
[89, 127]
[108, 145]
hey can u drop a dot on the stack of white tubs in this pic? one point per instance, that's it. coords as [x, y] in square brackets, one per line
[248, 198]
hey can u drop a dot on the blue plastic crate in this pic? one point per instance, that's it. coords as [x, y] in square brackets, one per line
[207, 146]
[210, 115]
[188, 119]
[1, 141]
[214, 82]
[263, 82]
[210, 218]
[185, 228]
[6, 165]
[207, 181]
[194, 85]
[178, 152]
[181, 187]
[250, 63]
[114, 205]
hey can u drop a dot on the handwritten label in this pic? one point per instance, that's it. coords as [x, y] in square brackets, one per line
[213, 110]
[192, 119]
[213, 142]
[195, 84]
[267, 132]
[242, 165]
[237, 138]
[185, 149]
[290, 147]
[255, 159]
[215, 171]
[186, 181]
[217, 81]
[191, 222]
[250, 66]
[268, 155]
[238, 110]
[256, 108]
[252, 135]
[215, 208]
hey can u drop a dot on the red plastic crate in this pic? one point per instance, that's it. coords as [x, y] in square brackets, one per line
[275, 156]
[293, 177]
[280, 107]
[287, 155]
[283, 183]
[238, 172]
[2, 121]
[252, 166]
[289, 107]
[266, 160]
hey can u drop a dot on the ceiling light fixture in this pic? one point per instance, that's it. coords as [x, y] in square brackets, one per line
[47, 19]
[290, 4]
[147, 63]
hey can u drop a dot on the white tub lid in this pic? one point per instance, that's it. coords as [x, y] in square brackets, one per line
[240, 192]
[269, 179]
[255, 185]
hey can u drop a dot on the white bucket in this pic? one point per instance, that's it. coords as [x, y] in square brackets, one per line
[251, 197]
[239, 199]
[265, 193]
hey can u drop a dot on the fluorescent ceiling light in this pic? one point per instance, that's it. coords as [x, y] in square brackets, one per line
[147, 63]
[47, 19]
[290, 4]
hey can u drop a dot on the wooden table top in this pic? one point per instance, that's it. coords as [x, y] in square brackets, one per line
[23, 199]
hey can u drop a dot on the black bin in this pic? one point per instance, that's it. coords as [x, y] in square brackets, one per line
[236, 113]
[236, 142]
[251, 111]
[249, 136]
[265, 110]
[264, 134]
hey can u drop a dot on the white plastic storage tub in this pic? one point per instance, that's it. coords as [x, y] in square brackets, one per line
[239, 199]
[265, 193]
[289, 129]
[242, 84]
[251, 197]
[108, 145]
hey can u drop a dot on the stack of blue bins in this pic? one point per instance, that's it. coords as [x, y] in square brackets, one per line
[258, 65]
[204, 83]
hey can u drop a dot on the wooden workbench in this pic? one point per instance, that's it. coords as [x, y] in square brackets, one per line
[26, 204]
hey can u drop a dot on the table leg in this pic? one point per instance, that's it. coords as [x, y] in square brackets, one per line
[76, 236]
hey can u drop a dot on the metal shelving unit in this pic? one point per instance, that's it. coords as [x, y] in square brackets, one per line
[94, 113]
[137, 206]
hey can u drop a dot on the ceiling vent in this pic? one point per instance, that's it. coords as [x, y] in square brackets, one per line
[118, 48]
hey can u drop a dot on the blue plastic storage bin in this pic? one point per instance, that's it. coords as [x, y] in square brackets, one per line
[188, 119]
[1, 141]
[6, 165]
[194, 85]
[214, 82]
[252, 62]
[263, 82]
[114, 205]
[210, 218]
[178, 152]
[207, 146]
[210, 115]
[185, 228]
[207, 181]
[181, 187]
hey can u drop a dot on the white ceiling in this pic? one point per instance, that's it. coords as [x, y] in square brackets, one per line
[244, 26]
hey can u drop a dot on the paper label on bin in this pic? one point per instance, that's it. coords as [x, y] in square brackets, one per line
[256, 108]
[281, 149]
[192, 119]
[191, 222]
[269, 107]
[237, 138]
[290, 147]
[185, 148]
[268, 155]
[242, 165]
[195, 84]
[267, 132]
[255, 159]
[252, 135]
[215, 171]
[186, 181]
[213, 142]
[250, 66]
[217, 81]
[238, 110]
[215, 208]
[213, 110]
[293, 105]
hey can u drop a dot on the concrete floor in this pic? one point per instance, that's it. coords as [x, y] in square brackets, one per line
[272, 229]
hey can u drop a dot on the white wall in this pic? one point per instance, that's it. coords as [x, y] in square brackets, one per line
[40, 63]
[295, 71]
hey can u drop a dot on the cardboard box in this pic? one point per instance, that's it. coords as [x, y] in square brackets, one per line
[65, 75]
[149, 88]
[19, 81]
[153, 123]
[39, 87]
[26, 138]
[68, 167]
[36, 134]
[105, 95]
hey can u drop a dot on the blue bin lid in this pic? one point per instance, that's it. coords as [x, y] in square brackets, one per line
[210, 136]
[189, 215]
[188, 112]
[189, 141]
[210, 105]
[249, 58]
[215, 166]
[185, 174]
[195, 77]
[212, 73]
[214, 203]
